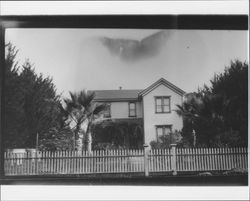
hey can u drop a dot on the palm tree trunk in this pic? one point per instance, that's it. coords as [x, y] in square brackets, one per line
[194, 138]
[76, 134]
[89, 142]
[89, 138]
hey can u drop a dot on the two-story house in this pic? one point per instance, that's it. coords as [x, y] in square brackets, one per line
[155, 105]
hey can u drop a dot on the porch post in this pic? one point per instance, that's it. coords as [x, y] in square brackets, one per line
[173, 158]
[146, 150]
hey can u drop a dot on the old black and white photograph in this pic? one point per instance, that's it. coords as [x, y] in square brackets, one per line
[119, 105]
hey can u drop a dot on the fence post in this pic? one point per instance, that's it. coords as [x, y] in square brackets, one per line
[146, 150]
[173, 158]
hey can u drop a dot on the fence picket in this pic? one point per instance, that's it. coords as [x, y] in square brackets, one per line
[178, 159]
[222, 158]
[197, 159]
[154, 160]
[120, 160]
[226, 158]
[163, 152]
[217, 156]
[161, 159]
[182, 159]
[242, 157]
[197, 150]
[202, 152]
[234, 157]
[164, 160]
[203, 158]
[220, 161]
[207, 159]
[50, 163]
[185, 153]
[230, 158]
[194, 160]
[83, 162]
[215, 159]
[186, 168]
[53, 162]
[242, 150]
[187, 159]
[245, 158]
[73, 168]
[212, 158]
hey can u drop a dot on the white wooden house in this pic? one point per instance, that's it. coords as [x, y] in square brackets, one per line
[155, 105]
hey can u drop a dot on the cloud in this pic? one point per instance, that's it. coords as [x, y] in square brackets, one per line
[133, 50]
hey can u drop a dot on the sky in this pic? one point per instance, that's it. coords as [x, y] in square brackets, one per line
[96, 59]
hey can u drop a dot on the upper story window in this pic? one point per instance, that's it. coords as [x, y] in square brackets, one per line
[107, 112]
[162, 104]
[132, 109]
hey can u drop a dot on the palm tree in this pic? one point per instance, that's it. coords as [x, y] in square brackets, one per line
[81, 110]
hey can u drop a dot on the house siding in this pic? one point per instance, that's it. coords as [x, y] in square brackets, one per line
[151, 119]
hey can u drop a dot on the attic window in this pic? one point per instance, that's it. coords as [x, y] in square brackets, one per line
[162, 104]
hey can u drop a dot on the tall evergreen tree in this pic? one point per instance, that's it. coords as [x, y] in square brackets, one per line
[222, 115]
[31, 104]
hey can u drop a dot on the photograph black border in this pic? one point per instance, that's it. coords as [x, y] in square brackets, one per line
[187, 22]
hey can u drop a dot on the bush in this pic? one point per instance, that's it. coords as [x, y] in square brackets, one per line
[165, 141]
[107, 146]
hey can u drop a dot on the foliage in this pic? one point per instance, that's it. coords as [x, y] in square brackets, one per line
[31, 104]
[61, 139]
[13, 100]
[107, 146]
[81, 110]
[218, 113]
[165, 141]
[118, 134]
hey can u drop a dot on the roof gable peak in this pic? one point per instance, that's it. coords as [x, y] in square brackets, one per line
[164, 82]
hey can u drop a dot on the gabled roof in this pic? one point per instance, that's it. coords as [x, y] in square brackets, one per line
[132, 94]
[116, 95]
[164, 82]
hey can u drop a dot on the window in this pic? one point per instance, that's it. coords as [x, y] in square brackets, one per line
[107, 112]
[162, 104]
[132, 109]
[163, 130]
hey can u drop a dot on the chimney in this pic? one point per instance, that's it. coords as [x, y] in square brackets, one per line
[120, 88]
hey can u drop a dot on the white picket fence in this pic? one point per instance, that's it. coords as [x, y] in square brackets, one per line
[209, 159]
[125, 161]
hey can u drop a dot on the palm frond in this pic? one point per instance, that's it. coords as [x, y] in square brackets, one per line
[85, 98]
[99, 108]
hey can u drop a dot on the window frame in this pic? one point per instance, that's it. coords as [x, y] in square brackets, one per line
[163, 131]
[129, 110]
[162, 104]
[109, 110]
